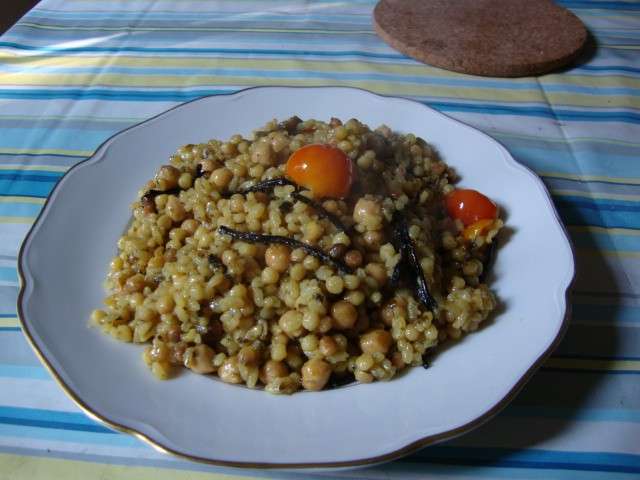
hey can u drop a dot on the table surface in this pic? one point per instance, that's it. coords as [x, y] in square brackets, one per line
[72, 73]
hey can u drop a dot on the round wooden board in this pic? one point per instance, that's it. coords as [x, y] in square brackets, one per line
[498, 38]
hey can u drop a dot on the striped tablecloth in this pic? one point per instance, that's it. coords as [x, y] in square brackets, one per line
[73, 72]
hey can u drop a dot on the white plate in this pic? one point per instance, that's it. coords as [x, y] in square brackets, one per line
[64, 260]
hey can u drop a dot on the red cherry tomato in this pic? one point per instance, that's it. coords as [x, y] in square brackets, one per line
[323, 169]
[469, 206]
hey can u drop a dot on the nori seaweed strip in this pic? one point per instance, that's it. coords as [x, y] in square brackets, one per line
[488, 260]
[396, 274]
[267, 185]
[410, 259]
[289, 242]
[151, 194]
[285, 207]
[320, 210]
[336, 381]
[215, 262]
[426, 359]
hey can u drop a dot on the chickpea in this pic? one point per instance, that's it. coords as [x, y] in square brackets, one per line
[174, 333]
[134, 283]
[376, 341]
[185, 181]
[177, 354]
[328, 346]
[377, 272]
[248, 356]
[315, 374]
[326, 323]
[372, 240]
[161, 370]
[352, 258]
[272, 370]
[207, 165]
[228, 371]
[175, 209]
[338, 250]
[367, 211]
[221, 177]
[394, 308]
[165, 304]
[168, 176]
[397, 361]
[277, 257]
[334, 284]
[344, 315]
[201, 359]
[269, 276]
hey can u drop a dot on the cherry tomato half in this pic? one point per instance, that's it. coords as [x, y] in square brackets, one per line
[323, 169]
[469, 206]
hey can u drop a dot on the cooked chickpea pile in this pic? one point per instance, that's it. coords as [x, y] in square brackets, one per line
[271, 315]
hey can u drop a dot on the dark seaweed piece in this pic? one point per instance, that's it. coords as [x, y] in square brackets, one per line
[289, 242]
[151, 194]
[489, 257]
[336, 381]
[320, 210]
[267, 185]
[290, 124]
[396, 274]
[426, 359]
[199, 171]
[215, 262]
[285, 207]
[410, 261]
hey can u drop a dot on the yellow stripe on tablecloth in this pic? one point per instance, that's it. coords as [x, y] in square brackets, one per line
[196, 29]
[382, 86]
[569, 140]
[593, 364]
[39, 168]
[595, 195]
[20, 199]
[9, 322]
[47, 151]
[125, 59]
[611, 231]
[593, 178]
[403, 69]
[607, 253]
[20, 220]
[19, 467]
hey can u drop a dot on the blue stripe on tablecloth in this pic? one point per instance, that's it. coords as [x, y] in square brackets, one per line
[17, 209]
[24, 371]
[533, 458]
[617, 115]
[536, 458]
[613, 5]
[321, 74]
[8, 274]
[261, 52]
